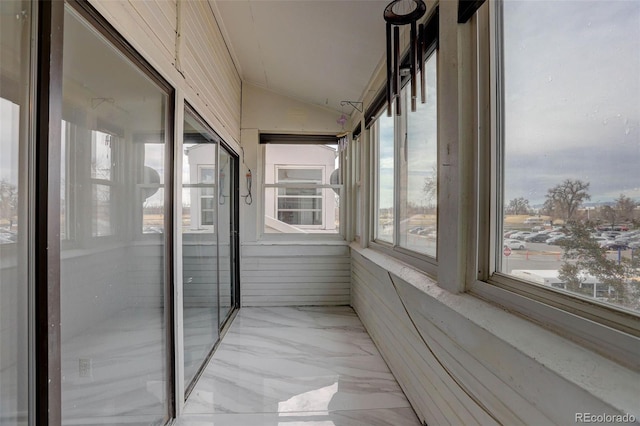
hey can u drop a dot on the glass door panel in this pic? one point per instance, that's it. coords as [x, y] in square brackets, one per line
[15, 36]
[199, 245]
[113, 267]
[227, 237]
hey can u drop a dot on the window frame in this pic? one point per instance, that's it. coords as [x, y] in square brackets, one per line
[422, 261]
[612, 332]
[297, 139]
[111, 183]
[211, 185]
[301, 185]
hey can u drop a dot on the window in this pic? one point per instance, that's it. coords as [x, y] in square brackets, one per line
[418, 224]
[302, 184]
[207, 195]
[385, 188]
[16, 268]
[407, 175]
[102, 165]
[569, 149]
[358, 184]
[114, 290]
[300, 205]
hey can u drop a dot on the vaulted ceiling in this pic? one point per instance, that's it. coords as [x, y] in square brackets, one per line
[317, 51]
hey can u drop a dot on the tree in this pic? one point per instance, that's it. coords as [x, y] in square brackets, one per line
[518, 206]
[609, 214]
[8, 201]
[584, 257]
[564, 199]
[624, 207]
[430, 188]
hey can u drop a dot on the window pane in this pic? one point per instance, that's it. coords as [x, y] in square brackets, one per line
[15, 71]
[113, 335]
[300, 175]
[419, 177]
[309, 192]
[300, 217]
[301, 209]
[199, 246]
[385, 189]
[101, 211]
[293, 203]
[151, 187]
[571, 147]
[101, 155]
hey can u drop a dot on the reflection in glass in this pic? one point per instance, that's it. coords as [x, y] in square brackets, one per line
[571, 147]
[385, 169]
[151, 186]
[112, 289]
[199, 246]
[15, 71]
[419, 177]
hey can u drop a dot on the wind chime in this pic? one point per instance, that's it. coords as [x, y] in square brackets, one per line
[396, 14]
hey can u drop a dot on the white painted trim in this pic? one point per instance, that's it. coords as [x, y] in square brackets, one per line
[605, 330]
[177, 249]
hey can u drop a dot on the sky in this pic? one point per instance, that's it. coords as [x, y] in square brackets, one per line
[572, 103]
[572, 97]
[422, 150]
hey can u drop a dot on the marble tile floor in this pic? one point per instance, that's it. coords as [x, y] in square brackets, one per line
[297, 366]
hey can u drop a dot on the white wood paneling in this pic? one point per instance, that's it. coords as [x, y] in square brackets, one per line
[208, 67]
[199, 64]
[463, 361]
[296, 274]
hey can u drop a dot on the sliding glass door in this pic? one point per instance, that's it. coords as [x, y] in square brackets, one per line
[227, 238]
[115, 170]
[199, 243]
[15, 253]
[209, 182]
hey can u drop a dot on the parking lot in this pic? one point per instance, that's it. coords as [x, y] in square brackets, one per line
[544, 256]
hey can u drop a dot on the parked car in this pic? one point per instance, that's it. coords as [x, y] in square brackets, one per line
[521, 235]
[613, 245]
[610, 234]
[514, 244]
[537, 238]
[556, 239]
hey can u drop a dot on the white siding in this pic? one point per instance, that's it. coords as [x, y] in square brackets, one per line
[284, 275]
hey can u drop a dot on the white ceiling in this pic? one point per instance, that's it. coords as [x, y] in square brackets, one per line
[317, 51]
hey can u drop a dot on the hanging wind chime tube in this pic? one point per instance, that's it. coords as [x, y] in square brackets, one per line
[423, 87]
[394, 81]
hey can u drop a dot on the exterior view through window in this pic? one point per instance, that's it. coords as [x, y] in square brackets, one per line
[302, 188]
[407, 152]
[571, 147]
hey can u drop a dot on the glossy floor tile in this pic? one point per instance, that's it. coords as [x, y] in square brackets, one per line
[297, 366]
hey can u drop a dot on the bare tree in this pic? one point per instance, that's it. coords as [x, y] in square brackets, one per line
[518, 206]
[610, 214]
[430, 188]
[563, 200]
[8, 201]
[624, 207]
